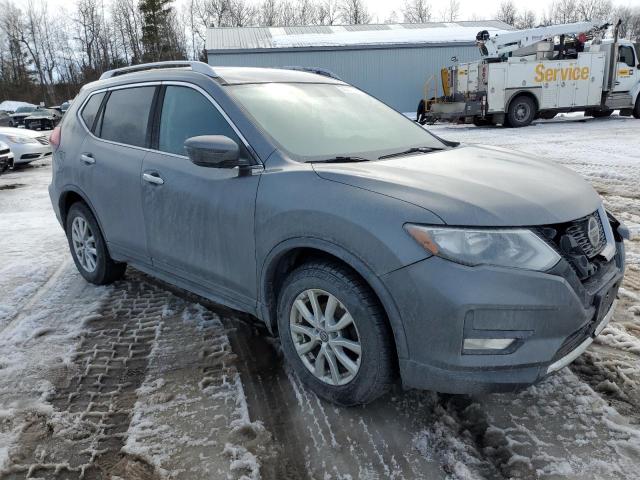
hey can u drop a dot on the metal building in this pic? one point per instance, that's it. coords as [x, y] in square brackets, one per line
[391, 62]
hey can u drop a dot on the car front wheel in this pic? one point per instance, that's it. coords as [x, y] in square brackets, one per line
[334, 334]
[88, 247]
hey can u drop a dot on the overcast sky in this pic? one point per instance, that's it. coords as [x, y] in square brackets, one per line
[469, 9]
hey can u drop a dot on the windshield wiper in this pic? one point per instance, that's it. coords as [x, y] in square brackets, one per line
[410, 151]
[340, 160]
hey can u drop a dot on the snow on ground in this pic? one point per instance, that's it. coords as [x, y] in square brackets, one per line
[107, 379]
[140, 381]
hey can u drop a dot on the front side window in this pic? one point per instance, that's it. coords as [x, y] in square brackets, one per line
[187, 113]
[91, 108]
[315, 121]
[626, 56]
[126, 116]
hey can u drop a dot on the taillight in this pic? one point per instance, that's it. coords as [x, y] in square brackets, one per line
[55, 137]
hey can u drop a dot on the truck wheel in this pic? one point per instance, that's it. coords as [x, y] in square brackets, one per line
[335, 334]
[522, 111]
[600, 113]
[482, 122]
[636, 110]
[547, 115]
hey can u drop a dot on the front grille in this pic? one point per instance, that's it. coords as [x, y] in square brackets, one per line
[579, 231]
[571, 240]
[43, 140]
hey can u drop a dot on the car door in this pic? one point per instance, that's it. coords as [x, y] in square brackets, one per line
[199, 220]
[626, 70]
[110, 162]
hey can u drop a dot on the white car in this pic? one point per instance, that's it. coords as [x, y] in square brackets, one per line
[26, 145]
[6, 158]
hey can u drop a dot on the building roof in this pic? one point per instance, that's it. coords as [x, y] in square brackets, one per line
[346, 36]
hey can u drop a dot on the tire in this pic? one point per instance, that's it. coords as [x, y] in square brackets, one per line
[104, 270]
[522, 111]
[600, 113]
[547, 115]
[375, 362]
[636, 109]
[482, 122]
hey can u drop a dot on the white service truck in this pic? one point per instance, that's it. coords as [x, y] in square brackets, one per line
[537, 73]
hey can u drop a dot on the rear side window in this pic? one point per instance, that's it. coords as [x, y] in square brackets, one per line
[126, 116]
[90, 110]
[187, 113]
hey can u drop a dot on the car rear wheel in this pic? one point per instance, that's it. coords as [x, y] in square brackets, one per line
[522, 111]
[334, 334]
[88, 248]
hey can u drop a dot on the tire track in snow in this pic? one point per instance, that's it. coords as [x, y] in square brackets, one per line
[93, 408]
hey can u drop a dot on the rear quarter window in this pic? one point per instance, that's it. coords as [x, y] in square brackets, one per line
[126, 116]
[90, 110]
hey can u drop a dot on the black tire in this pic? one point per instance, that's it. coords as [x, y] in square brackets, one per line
[547, 115]
[482, 122]
[376, 370]
[600, 113]
[636, 109]
[522, 111]
[106, 270]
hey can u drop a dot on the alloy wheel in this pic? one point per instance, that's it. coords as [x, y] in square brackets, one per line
[325, 337]
[84, 244]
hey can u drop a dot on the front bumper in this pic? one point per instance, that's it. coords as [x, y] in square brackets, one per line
[29, 152]
[442, 303]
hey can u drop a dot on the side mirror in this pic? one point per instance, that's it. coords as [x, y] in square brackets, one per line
[215, 151]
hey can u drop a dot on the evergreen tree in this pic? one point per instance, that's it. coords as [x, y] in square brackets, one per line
[159, 36]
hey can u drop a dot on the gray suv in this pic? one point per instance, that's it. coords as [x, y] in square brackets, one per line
[373, 249]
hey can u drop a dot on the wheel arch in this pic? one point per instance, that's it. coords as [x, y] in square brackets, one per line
[68, 197]
[525, 93]
[289, 254]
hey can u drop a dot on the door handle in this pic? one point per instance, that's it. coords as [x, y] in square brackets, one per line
[87, 158]
[153, 178]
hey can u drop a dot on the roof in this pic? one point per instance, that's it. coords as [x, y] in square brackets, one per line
[224, 75]
[346, 36]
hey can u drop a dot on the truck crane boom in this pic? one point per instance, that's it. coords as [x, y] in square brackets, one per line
[504, 43]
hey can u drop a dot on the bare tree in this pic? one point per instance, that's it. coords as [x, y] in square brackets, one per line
[597, 10]
[354, 12]
[507, 12]
[327, 12]
[416, 11]
[526, 19]
[451, 11]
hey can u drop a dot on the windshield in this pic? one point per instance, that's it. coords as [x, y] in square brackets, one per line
[319, 121]
[25, 109]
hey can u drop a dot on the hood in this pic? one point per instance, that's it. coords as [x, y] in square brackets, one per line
[20, 132]
[475, 185]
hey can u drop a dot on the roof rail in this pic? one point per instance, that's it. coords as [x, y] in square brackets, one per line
[199, 67]
[317, 70]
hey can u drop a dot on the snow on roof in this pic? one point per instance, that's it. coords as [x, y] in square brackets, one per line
[12, 106]
[251, 38]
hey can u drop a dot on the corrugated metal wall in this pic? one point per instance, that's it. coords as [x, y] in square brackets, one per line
[396, 75]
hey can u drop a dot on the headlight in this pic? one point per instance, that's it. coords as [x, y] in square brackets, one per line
[516, 248]
[20, 139]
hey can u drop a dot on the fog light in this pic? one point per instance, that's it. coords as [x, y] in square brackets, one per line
[487, 343]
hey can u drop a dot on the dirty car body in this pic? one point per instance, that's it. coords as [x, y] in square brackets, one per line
[492, 268]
